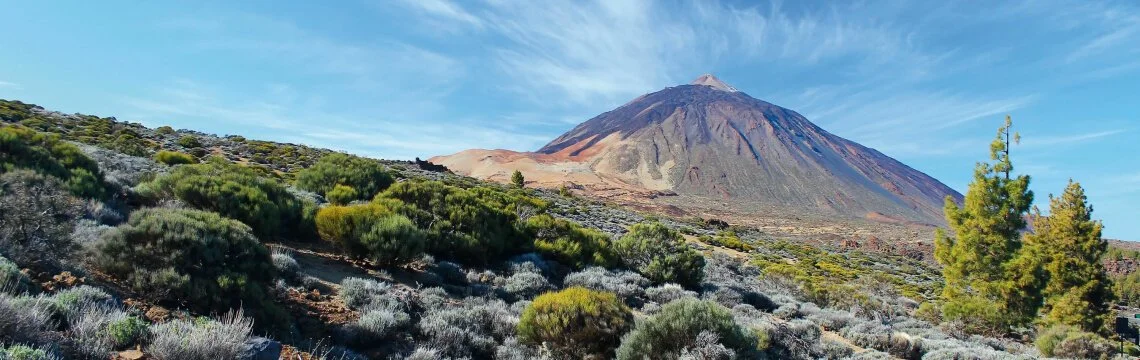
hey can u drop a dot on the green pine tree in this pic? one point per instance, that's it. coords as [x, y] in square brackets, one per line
[1077, 292]
[517, 179]
[991, 284]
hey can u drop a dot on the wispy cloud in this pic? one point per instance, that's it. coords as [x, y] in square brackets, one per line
[1052, 140]
[445, 9]
[274, 113]
[373, 65]
[10, 85]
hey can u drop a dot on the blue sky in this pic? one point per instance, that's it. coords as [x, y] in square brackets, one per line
[925, 82]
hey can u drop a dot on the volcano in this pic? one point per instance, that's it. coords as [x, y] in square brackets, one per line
[712, 143]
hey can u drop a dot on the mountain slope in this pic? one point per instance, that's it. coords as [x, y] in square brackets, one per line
[711, 141]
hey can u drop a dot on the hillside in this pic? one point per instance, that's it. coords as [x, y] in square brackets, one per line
[706, 146]
[343, 257]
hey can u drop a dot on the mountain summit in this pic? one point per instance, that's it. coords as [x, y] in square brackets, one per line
[710, 80]
[717, 147]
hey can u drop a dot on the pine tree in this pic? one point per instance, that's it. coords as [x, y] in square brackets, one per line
[991, 284]
[517, 179]
[1078, 291]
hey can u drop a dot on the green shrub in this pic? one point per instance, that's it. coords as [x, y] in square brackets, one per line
[344, 225]
[570, 243]
[12, 280]
[729, 240]
[341, 195]
[470, 226]
[23, 352]
[1047, 340]
[677, 326]
[23, 148]
[174, 158]
[236, 192]
[576, 322]
[164, 130]
[393, 239]
[127, 331]
[366, 176]
[660, 253]
[189, 141]
[189, 257]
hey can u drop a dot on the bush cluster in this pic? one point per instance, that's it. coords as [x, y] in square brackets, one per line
[188, 256]
[570, 243]
[678, 325]
[36, 218]
[174, 158]
[371, 231]
[236, 192]
[660, 253]
[576, 322]
[23, 148]
[729, 240]
[470, 226]
[345, 178]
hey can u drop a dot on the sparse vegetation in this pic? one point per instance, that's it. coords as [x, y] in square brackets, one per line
[523, 273]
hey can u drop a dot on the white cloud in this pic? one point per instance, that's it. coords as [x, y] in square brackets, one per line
[445, 9]
[1051, 140]
[10, 85]
[274, 111]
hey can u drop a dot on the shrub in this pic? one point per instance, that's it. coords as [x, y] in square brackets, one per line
[472, 328]
[189, 141]
[98, 331]
[707, 346]
[192, 257]
[729, 240]
[12, 280]
[661, 254]
[393, 239]
[360, 293]
[365, 177]
[569, 243]
[127, 331]
[286, 266]
[72, 303]
[668, 293]
[236, 192]
[23, 148]
[201, 340]
[24, 322]
[677, 325]
[1068, 342]
[626, 284]
[576, 322]
[36, 219]
[24, 352]
[378, 325]
[1084, 345]
[345, 225]
[174, 158]
[341, 195]
[471, 226]
[164, 130]
[525, 285]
